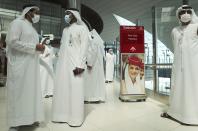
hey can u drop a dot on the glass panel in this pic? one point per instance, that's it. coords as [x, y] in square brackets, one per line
[146, 21]
[164, 79]
[165, 21]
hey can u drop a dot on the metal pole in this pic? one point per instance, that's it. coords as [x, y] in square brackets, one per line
[137, 22]
[148, 55]
[75, 4]
[154, 49]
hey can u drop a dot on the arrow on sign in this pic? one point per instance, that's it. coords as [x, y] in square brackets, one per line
[132, 49]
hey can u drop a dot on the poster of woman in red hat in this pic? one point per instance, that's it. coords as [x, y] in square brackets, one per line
[132, 74]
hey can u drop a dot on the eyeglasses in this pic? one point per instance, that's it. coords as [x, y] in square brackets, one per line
[185, 11]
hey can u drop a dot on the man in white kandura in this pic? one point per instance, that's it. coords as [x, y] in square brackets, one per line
[110, 61]
[23, 79]
[68, 98]
[184, 85]
[95, 80]
[47, 71]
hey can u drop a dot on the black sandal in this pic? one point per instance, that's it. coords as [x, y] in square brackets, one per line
[165, 115]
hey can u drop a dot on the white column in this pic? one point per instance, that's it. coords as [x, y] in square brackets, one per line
[75, 4]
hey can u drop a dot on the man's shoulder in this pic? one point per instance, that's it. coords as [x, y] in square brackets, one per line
[65, 29]
[83, 27]
[194, 25]
[175, 29]
[17, 21]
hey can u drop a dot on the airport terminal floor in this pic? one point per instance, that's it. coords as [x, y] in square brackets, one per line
[113, 115]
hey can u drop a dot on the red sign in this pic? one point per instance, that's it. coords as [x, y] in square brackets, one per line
[132, 39]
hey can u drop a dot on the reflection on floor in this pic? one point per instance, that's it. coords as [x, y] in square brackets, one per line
[113, 115]
[163, 87]
[158, 96]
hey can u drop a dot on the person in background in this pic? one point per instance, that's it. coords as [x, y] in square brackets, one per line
[47, 71]
[110, 62]
[95, 80]
[25, 105]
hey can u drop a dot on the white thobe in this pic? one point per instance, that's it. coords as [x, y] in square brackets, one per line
[95, 80]
[133, 88]
[184, 84]
[47, 73]
[68, 99]
[110, 61]
[23, 78]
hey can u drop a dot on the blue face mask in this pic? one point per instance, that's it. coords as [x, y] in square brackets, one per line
[67, 19]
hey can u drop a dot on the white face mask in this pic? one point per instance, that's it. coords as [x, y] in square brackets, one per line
[47, 42]
[111, 52]
[186, 18]
[67, 19]
[36, 18]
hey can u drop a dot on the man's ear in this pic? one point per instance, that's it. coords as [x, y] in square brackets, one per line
[27, 15]
[30, 14]
[73, 20]
[179, 17]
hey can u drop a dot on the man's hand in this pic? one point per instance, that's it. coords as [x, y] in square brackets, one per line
[89, 67]
[40, 47]
[78, 71]
[45, 41]
[47, 54]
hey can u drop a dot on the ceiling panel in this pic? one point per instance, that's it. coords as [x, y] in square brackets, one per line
[129, 9]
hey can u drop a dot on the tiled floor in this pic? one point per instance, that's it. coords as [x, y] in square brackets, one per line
[113, 115]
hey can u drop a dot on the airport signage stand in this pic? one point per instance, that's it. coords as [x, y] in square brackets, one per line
[132, 83]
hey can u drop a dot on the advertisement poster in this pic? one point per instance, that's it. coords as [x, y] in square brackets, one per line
[132, 73]
[132, 60]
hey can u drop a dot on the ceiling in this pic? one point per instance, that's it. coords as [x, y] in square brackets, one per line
[129, 9]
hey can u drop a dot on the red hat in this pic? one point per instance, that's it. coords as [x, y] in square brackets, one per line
[142, 65]
[134, 60]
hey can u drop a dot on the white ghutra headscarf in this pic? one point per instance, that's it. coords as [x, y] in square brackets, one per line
[194, 16]
[78, 17]
[25, 11]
